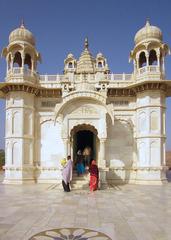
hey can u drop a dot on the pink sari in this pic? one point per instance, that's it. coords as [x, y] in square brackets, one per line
[94, 176]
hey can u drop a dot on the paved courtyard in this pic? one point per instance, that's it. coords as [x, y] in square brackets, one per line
[128, 212]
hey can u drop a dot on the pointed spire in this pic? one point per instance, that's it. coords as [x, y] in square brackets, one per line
[22, 23]
[86, 43]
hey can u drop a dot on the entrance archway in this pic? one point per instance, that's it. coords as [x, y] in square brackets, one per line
[85, 136]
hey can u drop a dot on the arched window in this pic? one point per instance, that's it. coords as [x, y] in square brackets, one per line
[27, 61]
[100, 65]
[70, 65]
[152, 58]
[17, 60]
[142, 60]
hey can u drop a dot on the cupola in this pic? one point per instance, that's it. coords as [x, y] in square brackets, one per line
[21, 34]
[148, 33]
[149, 53]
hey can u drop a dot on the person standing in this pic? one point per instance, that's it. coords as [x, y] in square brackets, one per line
[67, 175]
[79, 163]
[87, 155]
[94, 176]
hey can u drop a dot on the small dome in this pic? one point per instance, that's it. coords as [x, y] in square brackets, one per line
[99, 55]
[21, 34]
[148, 32]
[70, 55]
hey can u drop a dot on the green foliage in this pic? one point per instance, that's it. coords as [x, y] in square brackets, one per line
[2, 158]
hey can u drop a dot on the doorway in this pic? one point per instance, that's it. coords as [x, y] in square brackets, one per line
[83, 139]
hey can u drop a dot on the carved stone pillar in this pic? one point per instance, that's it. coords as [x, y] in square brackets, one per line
[22, 62]
[12, 63]
[135, 66]
[137, 61]
[163, 65]
[158, 59]
[102, 162]
[65, 140]
[32, 65]
[8, 66]
[147, 58]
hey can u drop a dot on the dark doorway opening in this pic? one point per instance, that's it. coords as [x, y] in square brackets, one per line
[83, 139]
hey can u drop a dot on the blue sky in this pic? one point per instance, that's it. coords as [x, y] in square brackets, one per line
[60, 27]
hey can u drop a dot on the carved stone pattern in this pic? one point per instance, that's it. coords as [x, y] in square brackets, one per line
[34, 90]
[85, 110]
[114, 92]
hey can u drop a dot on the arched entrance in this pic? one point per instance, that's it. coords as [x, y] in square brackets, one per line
[85, 136]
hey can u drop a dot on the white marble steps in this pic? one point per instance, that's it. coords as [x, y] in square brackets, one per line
[80, 182]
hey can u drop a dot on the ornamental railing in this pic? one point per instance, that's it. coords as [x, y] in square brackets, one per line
[17, 71]
[82, 78]
[148, 69]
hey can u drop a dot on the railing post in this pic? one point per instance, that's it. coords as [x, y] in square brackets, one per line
[123, 76]
[46, 78]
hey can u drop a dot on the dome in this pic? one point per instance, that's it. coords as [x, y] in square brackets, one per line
[70, 55]
[21, 34]
[99, 55]
[148, 32]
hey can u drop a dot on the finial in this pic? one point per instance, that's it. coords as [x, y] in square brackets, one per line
[86, 43]
[22, 23]
[147, 22]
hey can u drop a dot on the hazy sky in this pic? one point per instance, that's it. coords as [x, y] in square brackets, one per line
[60, 27]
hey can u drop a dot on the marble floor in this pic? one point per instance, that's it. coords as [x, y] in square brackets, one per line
[128, 212]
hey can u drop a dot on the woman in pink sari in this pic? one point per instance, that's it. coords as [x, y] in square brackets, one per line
[94, 176]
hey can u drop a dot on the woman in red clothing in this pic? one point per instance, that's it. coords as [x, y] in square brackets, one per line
[94, 176]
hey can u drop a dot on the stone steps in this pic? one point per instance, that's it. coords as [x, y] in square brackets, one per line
[80, 182]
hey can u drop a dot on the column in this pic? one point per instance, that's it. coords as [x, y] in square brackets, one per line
[11, 64]
[147, 59]
[65, 140]
[163, 66]
[7, 67]
[137, 60]
[102, 162]
[158, 59]
[22, 63]
[32, 65]
[135, 66]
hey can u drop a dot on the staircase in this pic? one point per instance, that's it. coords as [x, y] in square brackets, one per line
[80, 182]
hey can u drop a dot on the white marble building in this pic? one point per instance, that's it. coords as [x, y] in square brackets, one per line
[120, 116]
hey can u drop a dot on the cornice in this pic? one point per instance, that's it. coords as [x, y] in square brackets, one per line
[5, 88]
[129, 91]
[134, 89]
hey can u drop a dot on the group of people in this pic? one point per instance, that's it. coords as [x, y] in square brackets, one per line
[83, 160]
[80, 167]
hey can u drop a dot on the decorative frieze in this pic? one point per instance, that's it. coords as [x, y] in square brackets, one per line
[48, 104]
[39, 92]
[133, 90]
[120, 103]
[115, 92]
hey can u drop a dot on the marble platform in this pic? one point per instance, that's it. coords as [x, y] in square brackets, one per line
[127, 212]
